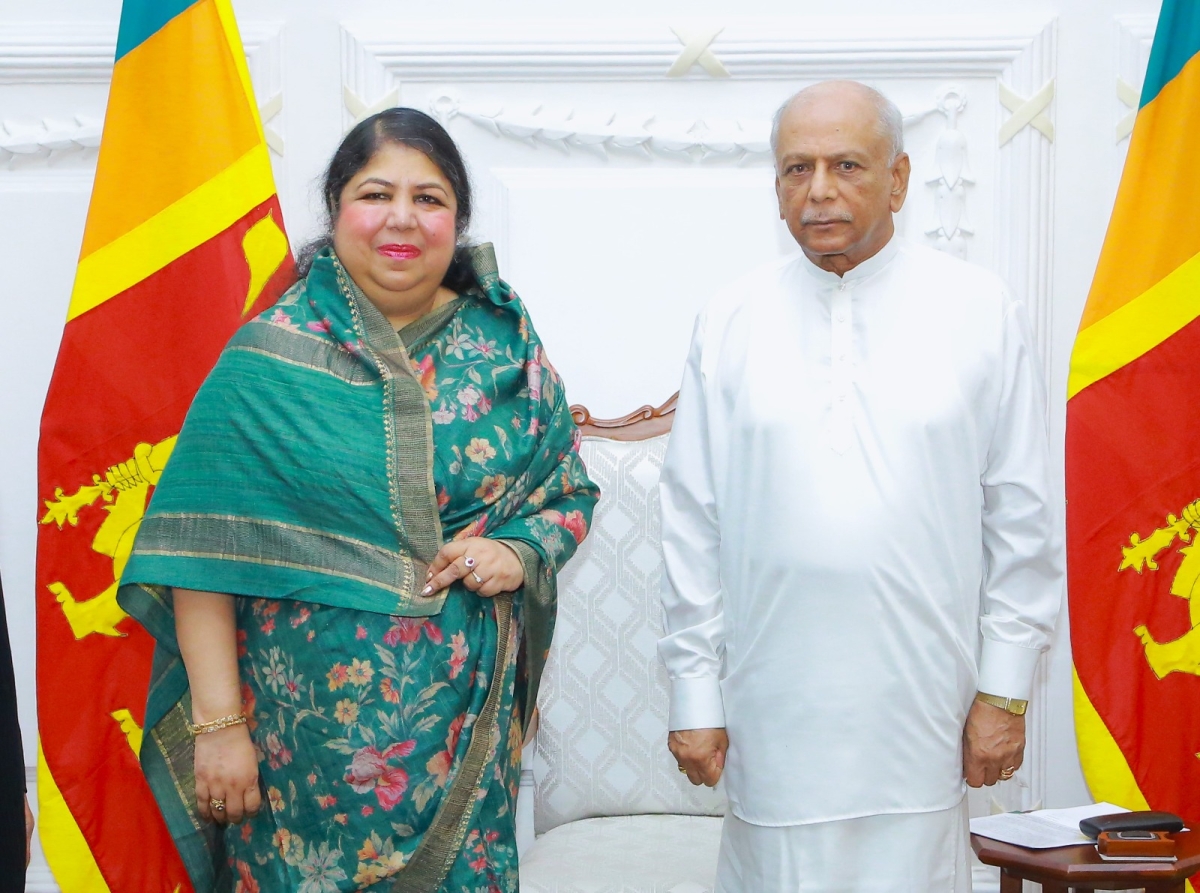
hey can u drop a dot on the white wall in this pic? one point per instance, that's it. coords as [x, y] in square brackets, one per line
[649, 240]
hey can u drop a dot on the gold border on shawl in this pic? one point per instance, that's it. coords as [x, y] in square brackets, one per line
[178, 749]
[242, 348]
[364, 554]
[435, 854]
[302, 349]
[408, 425]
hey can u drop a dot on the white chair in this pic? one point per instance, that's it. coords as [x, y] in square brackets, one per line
[603, 806]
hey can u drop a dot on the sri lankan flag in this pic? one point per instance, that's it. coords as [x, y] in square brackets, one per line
[183, 242]
[1133, 457]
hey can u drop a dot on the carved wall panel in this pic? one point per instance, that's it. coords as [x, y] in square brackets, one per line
[603, 100]
[1134, 37]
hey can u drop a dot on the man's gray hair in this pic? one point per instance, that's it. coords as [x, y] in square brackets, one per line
[890, 122]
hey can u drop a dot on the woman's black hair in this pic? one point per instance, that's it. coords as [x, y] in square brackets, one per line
[407, 127]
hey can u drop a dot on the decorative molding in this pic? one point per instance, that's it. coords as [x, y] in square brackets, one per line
[58, 54]
[605, 131]
[696, 51]
[48, 137]
[641, 424]
[380, 55]
[83, 55]
[1129, 96]
[359, 108]
[263, 42]
[1024, 206]
[1134, 37]
[267, 113]
[1027, 112]
[569, 129]
[950, 202]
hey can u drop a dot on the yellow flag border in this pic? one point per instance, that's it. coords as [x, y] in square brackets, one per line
[67, 851]
[1137, 328]
[200, 215]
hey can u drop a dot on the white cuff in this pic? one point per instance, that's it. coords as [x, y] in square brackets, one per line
[696, 703]
[1007, 670]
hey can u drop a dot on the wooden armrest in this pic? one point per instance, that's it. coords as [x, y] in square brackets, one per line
[531, 729]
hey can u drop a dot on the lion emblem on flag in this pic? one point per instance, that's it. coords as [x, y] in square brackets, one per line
[1180, 655]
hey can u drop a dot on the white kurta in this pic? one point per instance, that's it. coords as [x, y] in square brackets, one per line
[857, 486]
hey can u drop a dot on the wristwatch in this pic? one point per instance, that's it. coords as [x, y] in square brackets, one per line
[1015, 706]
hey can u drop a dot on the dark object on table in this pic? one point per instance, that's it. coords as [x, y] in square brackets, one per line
[1136, 844]
[1144, 820]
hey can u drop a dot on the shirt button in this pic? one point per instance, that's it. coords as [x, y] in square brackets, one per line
[841, 317]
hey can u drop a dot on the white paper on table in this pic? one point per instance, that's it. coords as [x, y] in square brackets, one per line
[1043, 829]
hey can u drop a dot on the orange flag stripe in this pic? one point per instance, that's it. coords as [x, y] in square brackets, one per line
[173, 232]
[1154, 187]
[154, 152]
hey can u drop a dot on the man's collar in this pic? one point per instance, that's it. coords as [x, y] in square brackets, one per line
[868, 267]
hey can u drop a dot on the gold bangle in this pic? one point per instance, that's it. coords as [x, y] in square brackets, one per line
[224, 722]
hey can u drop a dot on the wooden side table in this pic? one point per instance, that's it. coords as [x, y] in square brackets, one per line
[1064, 869]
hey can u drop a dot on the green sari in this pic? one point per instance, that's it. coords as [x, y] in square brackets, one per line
[322, 465]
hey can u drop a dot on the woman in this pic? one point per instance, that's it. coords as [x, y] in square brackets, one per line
[354, 547]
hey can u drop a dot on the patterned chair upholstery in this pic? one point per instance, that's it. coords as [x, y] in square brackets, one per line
[610, 810]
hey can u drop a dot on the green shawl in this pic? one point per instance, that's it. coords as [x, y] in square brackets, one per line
[304, 470]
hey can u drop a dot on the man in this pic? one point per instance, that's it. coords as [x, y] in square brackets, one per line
[862, 551]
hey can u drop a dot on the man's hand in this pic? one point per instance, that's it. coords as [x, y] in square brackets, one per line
[28, 830]
[701, 752]
[993, 740]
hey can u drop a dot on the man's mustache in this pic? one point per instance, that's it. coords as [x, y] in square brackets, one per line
[806, 219]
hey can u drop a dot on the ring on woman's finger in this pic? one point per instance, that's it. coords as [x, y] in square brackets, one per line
[217, 804]
[468, 561]
[478, 579]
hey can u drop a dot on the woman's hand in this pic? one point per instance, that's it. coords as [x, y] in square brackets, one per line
[227, 769]
[485, 566]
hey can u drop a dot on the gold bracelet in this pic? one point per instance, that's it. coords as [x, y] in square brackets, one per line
[224, 722]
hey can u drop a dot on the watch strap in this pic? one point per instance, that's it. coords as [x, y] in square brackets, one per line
[1015, 706]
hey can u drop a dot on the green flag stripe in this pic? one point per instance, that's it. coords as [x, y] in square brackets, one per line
[142, 19]
[1176, 41]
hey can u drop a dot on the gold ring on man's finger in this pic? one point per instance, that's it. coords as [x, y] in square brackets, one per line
[217, 804]
[1007, 773]
[684, 771]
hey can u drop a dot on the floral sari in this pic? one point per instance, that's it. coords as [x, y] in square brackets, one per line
[321, 467]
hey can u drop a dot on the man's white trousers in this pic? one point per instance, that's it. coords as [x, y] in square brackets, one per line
[925, 852]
